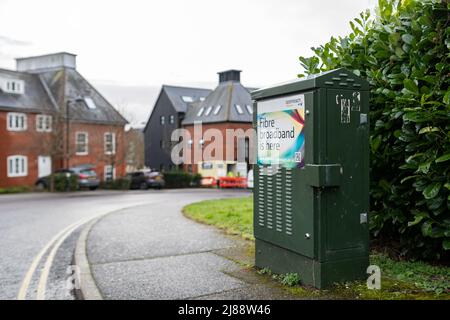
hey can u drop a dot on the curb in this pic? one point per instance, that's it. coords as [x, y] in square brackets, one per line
[88, 287]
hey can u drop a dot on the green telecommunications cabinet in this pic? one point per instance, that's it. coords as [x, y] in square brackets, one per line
[311, 194]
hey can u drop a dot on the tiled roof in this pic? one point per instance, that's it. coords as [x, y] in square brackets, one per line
[176, 95]
[34, 98]
[234, 101]
[49, 90]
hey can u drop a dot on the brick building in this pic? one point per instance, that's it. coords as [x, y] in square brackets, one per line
[228, 106]
[53, 118]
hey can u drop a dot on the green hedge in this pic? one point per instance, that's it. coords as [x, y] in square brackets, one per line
[117, 184]
[63, 184]
[19, 189]
[180, 179]
[404, 54]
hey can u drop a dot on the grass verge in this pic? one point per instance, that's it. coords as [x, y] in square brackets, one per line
[400, 279]
[234, 216]
[11, 190]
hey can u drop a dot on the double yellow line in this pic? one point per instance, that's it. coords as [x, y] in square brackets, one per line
[54, 244]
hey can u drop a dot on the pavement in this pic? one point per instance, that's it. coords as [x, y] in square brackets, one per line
[136, 245]
[154, 252]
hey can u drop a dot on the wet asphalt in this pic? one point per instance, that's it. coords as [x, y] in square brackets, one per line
[28, 222]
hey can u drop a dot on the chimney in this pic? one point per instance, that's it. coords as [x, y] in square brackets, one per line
[48, 61]
[230, 75]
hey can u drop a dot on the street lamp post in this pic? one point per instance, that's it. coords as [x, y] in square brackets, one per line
[67, 132]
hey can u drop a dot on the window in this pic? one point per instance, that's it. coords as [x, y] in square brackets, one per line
[162, 120]
[208, 111]
[207, 166]
[43, 123]
[81, 143]
[239, 109]
[109, 173]
[216, 111]
[17, 166]
[110, 143]
[17, 121]
[202, 99]
[90, 103]
[249, 109]
[187, 99]
[200, 112]
[12, 86]
[172, 119]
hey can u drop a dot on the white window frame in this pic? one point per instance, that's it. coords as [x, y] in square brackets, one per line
[113, 142]
[15, 116]
[171, 119]
[239, 109]
[84, 153]
[106, 170]
[11, 166]
[249, 109]
[46, 120]
[162, 120]
[13, 86]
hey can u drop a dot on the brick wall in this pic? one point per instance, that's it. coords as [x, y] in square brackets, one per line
[32, 144]
[96, 148]
[222, 127]
[25, 143]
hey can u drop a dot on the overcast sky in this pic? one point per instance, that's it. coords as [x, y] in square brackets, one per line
[128, 49]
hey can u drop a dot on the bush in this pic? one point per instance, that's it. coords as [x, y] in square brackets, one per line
[181, 179]
[63, 184]
[117, 184]
[403, 53]
[18, 189]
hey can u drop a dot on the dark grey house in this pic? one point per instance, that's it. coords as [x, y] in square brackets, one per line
[167, 114]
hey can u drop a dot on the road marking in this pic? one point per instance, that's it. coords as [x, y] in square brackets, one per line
[64, 233]
[48, 263]
[26, 281]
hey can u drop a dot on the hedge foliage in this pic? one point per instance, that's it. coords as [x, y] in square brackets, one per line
[181, 179]
[117, 184]
[18, 189]
[404, 54]
[62, 183]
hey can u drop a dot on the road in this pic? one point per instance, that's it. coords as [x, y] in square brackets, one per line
[38, 233]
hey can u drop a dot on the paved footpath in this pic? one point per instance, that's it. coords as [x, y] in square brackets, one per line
[154, 252]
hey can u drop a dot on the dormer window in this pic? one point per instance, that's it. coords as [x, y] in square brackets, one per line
[239, 109]
[249, 109]
[12, 86]
[90, 103]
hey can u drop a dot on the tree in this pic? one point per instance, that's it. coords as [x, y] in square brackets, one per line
[404, 54]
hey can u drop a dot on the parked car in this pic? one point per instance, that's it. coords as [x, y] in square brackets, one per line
[144, 180]
[87, 178]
